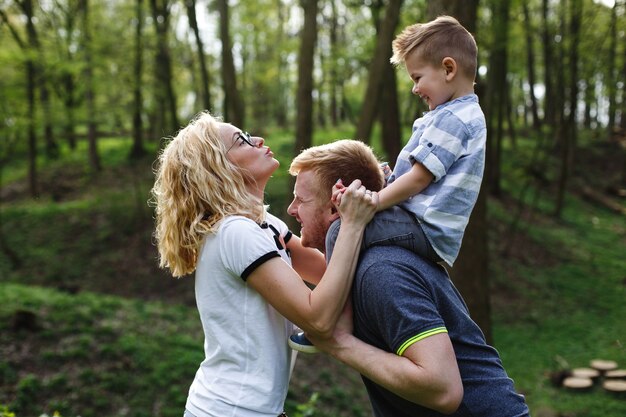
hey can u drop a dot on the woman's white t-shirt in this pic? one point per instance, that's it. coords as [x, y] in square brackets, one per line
[246, 368]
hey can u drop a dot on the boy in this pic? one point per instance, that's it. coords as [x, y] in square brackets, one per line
[430, 195]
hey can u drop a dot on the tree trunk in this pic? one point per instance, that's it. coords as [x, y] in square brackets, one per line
[164, 87]
[568, 140]
[138, 150]
[280, 106]
[334, 79]
[529, 31]
[377, 70]
[69, 102]
[390, 117]
[52, 148]
[622, 123]
[204, 72]
[547, 42]
[31, 74]
[611, 84]
[498, 91]
[465, 12]
[233, 105]
[471, 273]
[94, 157]
[304, 97]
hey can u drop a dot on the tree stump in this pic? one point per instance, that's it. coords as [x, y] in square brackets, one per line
[616, 374]
[603, 365]
[586, 373]
[578, 384]
[615, 386]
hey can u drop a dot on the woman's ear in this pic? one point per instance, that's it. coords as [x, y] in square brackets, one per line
[450, 66]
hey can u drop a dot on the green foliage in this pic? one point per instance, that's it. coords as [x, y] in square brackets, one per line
[558, 291]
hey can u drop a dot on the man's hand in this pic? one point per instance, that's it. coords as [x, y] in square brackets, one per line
[343, 328]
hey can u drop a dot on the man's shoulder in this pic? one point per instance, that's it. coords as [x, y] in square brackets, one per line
[378, 259]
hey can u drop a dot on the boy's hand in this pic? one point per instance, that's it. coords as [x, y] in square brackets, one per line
[386, 170]
[339, 189]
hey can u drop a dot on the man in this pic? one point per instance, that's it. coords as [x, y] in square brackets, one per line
[417, 349]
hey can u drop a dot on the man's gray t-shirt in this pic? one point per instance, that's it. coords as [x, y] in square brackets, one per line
[399, 298]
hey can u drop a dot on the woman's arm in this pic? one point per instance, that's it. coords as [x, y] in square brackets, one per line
[317, 311]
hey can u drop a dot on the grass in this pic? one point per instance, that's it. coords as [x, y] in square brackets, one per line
[93, 354]
[114, 335]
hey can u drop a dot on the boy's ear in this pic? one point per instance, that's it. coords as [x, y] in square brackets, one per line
[450, 66]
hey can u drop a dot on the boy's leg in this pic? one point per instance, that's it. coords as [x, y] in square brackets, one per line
[394, 226]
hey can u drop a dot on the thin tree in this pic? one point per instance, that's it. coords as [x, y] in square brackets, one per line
[138, 150]
[92, 127]
[547, 41]
[334, 55]
[204, 72]
[234, 110]
[378, 65]
[567, 140]
[27, 46]
[304, 95]
[611, 84]
[164, 88]
[497, 93]
[281, 92]
[388, 110]
[66, 88]
[529, 32]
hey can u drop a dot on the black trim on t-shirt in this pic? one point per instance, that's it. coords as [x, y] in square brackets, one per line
[288, 236]
[254, 265]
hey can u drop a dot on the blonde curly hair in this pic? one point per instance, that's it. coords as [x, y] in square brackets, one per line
[196, 186]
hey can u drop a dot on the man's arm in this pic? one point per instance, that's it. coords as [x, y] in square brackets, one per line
[427, 373]
[309, 263]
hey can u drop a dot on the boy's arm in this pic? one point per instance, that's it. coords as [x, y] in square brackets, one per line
[405, 186]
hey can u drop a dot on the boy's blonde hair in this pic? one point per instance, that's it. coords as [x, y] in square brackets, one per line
[344, 159]
[437, 39]
[196, 186]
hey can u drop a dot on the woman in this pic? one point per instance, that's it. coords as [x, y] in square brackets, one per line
[210, 219]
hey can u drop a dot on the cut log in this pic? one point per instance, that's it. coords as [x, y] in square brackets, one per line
[603, 365]
[616, 374]
[615, 386]
[576, 383]
[585, 373]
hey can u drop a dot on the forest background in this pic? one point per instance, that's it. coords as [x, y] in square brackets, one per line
[91, 90]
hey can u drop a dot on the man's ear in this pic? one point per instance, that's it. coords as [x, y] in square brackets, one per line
[450, 66]
[334, 213]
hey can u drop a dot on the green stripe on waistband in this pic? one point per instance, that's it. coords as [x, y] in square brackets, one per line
[419, 337]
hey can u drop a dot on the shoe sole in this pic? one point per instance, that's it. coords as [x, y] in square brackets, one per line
[302, 348]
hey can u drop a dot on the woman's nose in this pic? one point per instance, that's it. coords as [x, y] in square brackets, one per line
[259, 141]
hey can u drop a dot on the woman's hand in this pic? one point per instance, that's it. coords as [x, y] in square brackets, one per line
[355, 203]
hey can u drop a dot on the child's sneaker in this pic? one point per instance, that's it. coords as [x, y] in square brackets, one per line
[300, 343]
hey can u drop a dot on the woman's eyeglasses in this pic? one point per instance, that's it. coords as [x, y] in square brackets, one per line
[245, 137]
